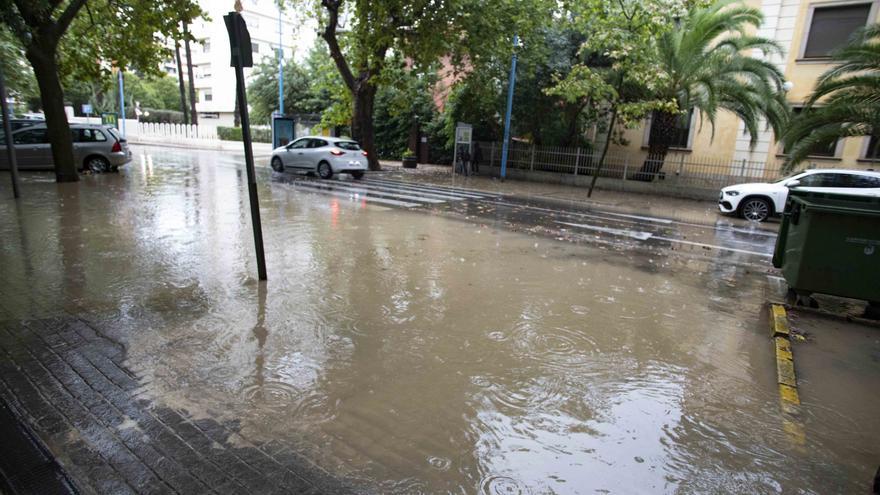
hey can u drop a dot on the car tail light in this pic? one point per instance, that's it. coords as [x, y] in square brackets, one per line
[116, 147]
[336, 152]
[364, 152]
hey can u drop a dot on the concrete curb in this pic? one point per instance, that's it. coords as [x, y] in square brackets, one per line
[786, 379]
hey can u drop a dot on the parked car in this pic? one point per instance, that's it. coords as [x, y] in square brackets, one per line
[98, 148]
[759, 201]
[323, 155]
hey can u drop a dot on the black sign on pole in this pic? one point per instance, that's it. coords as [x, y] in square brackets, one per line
[7, 131]
[240, 45]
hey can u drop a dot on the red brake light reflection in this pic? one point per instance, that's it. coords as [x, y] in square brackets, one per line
[337, 152]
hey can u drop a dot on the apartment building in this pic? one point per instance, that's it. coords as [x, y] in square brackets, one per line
[214, 78]
[809, 31]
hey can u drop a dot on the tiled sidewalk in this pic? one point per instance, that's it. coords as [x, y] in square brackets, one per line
[68, 383]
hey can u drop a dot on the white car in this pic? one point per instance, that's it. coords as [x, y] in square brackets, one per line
[323, 155]
[758, 201]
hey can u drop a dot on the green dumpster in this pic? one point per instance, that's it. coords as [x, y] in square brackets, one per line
[830, 244]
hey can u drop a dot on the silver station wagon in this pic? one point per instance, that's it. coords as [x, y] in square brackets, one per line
[96, 148]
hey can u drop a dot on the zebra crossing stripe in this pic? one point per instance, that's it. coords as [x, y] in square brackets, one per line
[348, 195]
[381, 188]
[365, 192]
[472, 193]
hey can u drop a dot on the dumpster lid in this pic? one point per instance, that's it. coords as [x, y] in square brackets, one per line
[851, 204]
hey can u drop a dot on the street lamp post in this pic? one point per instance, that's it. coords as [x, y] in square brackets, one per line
[280, 65]
[510, 86]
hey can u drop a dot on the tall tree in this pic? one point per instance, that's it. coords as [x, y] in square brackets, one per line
[844, 102]
[421, 31]
[60, 41]
[180, 84]
[707, 65]
[39, 28]
[193, 116]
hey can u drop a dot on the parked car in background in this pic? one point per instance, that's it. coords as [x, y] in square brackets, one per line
[97, 148]
[17, 124]
[759, 201]
[323, 155]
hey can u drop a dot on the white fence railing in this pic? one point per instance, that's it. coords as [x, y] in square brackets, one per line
[681, 170]
[177, 132]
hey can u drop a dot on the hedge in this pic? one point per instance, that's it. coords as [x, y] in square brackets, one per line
[234, 134]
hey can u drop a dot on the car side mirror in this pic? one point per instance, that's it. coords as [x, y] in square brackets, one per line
[792, 183]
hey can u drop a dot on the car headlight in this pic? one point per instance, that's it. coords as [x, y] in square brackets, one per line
[732, 193]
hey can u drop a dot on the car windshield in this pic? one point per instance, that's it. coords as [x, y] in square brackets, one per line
[348, 145]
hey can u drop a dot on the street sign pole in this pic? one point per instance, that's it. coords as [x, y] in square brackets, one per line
[7, 131]
[240, 44]
[510, 86]
[121, 102]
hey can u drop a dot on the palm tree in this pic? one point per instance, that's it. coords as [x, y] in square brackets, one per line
[850, 101]
[708, 67]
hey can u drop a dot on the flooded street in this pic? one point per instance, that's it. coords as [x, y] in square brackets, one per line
[473, 343]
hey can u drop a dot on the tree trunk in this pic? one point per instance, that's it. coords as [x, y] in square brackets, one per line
[180, 83]
[236, 114]
[601, 162]
[194, 117]
[42, 59]
[659, 140]
[362, 122]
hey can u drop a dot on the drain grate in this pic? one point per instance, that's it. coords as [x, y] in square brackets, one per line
[25, 466]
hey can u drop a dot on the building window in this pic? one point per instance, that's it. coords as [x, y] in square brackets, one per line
[831, 27]
[681, 136]
[207, 96]
[872, 148]
[209, 115]
[824, 151]
[255, 47]
[206, 46]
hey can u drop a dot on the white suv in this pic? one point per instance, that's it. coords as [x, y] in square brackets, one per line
[758, 201]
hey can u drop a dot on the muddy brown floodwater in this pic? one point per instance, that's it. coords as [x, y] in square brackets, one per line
[416, 352]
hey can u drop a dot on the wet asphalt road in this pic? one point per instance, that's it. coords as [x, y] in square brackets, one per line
[411, 337]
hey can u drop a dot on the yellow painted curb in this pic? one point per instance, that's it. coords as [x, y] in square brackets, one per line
[779, 321]
[785, 374]
[786, 378]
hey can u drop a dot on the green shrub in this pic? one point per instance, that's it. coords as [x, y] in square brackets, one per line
[234, 134]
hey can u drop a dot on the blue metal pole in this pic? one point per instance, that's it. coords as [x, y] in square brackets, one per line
[280, 66]
[510, 86]
[121, 103]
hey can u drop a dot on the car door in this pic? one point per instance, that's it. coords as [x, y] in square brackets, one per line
[32, 149]
[294, 156]
[315, 152]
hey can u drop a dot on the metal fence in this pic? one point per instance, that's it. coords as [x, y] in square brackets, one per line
[681, 170]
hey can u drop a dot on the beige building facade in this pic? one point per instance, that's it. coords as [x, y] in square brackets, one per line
[808, 31]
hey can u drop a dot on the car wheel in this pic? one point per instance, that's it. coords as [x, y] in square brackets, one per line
[97, 164]
[324, 170]
[755, 209]
[277, 165]
[358, 174]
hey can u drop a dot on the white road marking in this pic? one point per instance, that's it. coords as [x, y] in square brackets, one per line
[366, 193]
[380, 187]
[437, 188]
[368, 199]
[644, 236]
